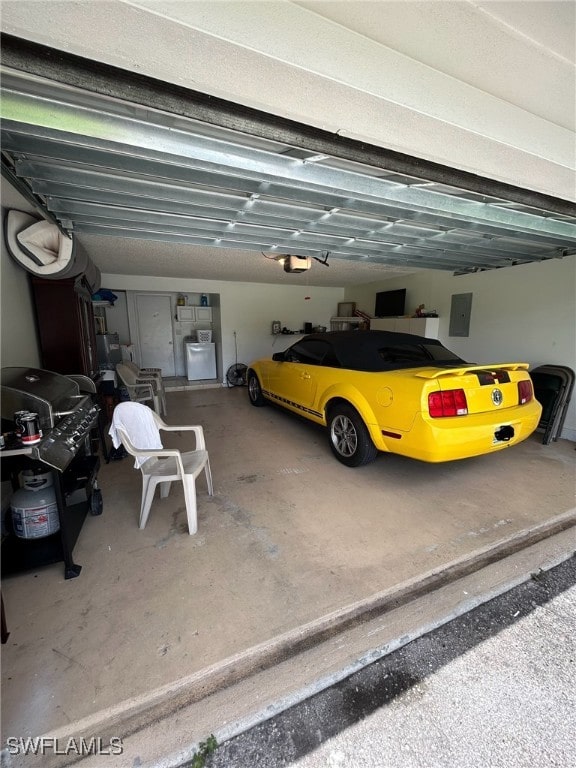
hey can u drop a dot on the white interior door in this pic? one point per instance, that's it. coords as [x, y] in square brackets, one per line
[155, 331]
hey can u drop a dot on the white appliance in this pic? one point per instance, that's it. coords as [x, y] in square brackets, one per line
[200, 360]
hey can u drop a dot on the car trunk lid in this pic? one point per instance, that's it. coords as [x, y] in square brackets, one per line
[487, 388]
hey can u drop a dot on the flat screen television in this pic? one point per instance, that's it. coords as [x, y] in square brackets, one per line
[390, 303]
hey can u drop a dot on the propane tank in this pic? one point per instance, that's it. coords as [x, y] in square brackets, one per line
[34, 506]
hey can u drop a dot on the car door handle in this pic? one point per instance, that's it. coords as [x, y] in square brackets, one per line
[305, 375]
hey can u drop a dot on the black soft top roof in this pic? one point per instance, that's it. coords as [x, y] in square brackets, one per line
[360, 350]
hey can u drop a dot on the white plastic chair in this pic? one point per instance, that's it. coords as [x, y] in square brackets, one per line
[138, 391]
[137, 427]
[150, 376]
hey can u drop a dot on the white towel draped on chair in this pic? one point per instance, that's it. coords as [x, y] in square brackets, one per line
[139, 424]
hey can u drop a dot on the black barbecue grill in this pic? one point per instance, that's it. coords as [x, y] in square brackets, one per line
[67, 418]
[66, 415]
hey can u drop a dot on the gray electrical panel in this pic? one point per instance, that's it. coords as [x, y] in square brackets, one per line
[460, 311]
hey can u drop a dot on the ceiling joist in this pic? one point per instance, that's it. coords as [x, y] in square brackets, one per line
[102, 165]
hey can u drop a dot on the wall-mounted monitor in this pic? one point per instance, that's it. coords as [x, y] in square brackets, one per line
[390, 303]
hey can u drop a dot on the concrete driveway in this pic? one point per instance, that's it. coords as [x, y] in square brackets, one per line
[494, 687]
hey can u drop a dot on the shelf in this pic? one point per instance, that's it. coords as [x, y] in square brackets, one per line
[344, 323]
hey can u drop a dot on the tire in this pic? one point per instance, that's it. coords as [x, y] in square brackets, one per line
[255, 391]
[350, 440]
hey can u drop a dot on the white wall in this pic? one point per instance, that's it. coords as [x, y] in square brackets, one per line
[247, 309]
[519, 314]
[17, 324]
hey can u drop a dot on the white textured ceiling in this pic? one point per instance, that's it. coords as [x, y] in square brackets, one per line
[485, 87]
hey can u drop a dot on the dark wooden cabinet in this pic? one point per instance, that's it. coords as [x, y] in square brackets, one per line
[65, 320]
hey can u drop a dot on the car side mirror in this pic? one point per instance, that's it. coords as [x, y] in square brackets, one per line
[278, 357]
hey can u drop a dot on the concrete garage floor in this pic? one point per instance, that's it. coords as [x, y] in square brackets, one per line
[290, 541]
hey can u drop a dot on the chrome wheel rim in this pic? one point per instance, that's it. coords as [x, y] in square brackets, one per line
[344, 436]
[253, 388]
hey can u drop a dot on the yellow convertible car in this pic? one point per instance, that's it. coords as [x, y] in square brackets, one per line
[398, 393]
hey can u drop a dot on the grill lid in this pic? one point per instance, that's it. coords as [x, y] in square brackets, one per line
[49, 394]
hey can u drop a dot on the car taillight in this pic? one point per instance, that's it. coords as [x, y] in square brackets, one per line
[525, 392]
[452, 402]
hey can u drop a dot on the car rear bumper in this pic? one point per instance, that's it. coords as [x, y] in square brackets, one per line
[449, 439]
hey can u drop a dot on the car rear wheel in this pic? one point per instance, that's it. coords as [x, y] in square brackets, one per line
[255, 390]
[350, 440]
